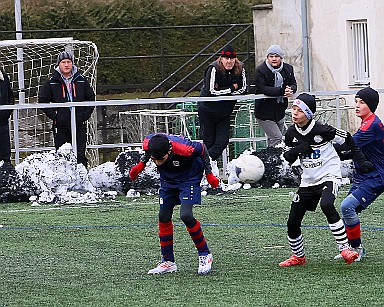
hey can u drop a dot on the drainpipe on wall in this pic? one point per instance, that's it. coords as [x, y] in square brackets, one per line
[304, 29]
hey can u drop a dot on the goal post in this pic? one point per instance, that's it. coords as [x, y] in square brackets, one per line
[37, 60]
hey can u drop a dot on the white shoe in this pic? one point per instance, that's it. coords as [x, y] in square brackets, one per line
[205, 264]
[164, 267]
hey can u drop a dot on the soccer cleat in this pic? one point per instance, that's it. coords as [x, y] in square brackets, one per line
[361, 251]
[205, 264]
[164, 267]
[349, 255]
[293, 260]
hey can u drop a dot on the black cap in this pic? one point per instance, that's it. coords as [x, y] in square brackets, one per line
[158, 146]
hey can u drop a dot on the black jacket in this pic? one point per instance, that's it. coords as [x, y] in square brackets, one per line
[223, 86]
[54, 90]
[269, 108]
[6, 98]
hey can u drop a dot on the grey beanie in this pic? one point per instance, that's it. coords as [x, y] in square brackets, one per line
[276, 49]
[64, 55]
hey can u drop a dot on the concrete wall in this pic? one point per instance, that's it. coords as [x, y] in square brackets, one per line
[330, 49]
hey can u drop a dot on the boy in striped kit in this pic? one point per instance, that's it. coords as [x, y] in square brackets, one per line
[181, 164]
[312, 142]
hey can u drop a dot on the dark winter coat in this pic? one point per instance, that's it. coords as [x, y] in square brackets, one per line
[269, 108]
[223, 86]
[55, 91]
[6, 98]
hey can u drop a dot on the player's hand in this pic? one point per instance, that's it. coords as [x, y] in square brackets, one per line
[304, 148]
[213, 180]
[366, 167]
[136, 170]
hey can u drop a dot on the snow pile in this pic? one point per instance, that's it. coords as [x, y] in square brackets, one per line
[57, 177]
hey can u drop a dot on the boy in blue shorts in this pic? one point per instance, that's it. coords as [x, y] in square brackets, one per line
[181, 164]
[367, 186]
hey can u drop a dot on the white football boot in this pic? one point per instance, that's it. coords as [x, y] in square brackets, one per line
[205, 264]
[164, 267]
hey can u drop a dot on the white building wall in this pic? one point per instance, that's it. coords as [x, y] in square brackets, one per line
[330, 49]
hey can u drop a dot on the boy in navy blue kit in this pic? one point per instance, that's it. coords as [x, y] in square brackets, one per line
[367, 186]
[181, 164]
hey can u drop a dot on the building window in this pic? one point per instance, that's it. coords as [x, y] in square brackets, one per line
[360, 53]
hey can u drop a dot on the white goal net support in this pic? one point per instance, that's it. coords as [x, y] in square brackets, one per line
[29, 63]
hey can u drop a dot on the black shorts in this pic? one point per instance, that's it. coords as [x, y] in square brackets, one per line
[308, 197]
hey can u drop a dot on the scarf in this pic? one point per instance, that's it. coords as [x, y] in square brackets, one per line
[278, 78]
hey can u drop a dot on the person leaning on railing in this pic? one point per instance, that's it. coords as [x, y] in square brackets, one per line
[225, 76]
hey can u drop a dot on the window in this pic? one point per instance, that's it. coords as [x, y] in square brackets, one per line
[360, 55]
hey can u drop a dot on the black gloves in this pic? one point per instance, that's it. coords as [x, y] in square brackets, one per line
[301, 149]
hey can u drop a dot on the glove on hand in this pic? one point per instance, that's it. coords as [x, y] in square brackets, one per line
[136, 170]
[212, 180]
[366, 167]
[303, 148]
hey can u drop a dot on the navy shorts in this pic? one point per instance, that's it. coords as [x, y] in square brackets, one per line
[189, 194]
[366, 192]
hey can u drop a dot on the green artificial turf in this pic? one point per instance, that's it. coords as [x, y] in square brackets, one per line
[99, 255]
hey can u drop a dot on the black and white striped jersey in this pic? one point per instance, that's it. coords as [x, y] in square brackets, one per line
[323, 164]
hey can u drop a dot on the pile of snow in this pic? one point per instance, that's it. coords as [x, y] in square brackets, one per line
[55, 177]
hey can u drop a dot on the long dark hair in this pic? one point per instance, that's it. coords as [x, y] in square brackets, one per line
[237, 68]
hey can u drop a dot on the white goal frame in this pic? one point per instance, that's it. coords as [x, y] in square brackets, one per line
[29, 63]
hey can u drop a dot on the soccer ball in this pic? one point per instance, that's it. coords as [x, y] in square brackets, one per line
[249, 168]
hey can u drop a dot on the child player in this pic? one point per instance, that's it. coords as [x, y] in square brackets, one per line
[181, 164]
[367, 186]
[312, 142]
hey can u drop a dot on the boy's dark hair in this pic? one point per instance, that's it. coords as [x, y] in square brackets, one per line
[158, 146]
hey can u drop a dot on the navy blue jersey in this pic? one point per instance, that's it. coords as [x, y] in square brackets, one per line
[184, 165]
[370, 139]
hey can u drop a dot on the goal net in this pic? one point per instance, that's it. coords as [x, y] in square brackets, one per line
[29, 63]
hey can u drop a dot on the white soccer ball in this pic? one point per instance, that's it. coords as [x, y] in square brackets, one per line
[249, 168]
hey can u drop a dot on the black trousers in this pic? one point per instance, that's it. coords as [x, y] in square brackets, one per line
[63, 135]
[5, 146]
[215, 132]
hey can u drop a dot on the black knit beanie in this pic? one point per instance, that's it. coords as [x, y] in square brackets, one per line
[228, 52]
[370, 97]
[158, 146]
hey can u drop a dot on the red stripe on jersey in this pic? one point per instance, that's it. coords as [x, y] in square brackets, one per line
[367, 123]
[182, 149]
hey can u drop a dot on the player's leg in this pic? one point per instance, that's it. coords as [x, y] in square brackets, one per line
[168, 199]
[295, 238]
[329, 192]
[190, 195]
[360, 198]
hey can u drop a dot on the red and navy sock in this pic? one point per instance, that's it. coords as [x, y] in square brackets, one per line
[354, 234]
[166, 241]
[198, 238]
